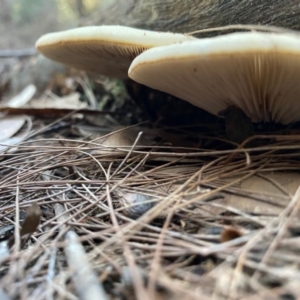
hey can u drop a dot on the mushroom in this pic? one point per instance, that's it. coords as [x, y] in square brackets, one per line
[254, 71]
[106, 50]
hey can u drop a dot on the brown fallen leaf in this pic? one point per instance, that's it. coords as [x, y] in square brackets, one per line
[30, 224]
[124, 139]
[256, 195]
[230, 233]
[127, 136]
[32, 220]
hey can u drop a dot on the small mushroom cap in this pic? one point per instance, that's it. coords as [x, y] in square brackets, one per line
[106, 50]
[257, 72]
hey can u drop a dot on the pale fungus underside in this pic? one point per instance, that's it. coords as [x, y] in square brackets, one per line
[256, 72]
[253, 71]
[103, 50]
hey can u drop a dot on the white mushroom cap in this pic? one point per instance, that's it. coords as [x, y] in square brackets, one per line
[257, 72]
[106, 50]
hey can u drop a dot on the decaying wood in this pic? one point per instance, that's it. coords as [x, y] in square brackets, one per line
[185, 16]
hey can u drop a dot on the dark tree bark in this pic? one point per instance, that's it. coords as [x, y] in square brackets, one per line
[189, 15]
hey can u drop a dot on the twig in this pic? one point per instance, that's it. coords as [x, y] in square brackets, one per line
[85, 280]
[18, 53]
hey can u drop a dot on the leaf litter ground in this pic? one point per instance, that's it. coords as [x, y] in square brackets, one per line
[110, 212]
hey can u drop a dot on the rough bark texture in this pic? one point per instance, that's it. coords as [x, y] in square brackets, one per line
[189, 15]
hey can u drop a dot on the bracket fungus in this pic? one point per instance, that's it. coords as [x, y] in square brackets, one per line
[105, 50]
[254, 71]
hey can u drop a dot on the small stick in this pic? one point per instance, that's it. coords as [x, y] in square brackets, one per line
[86, 282]
[18, 53]
[87, 285]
